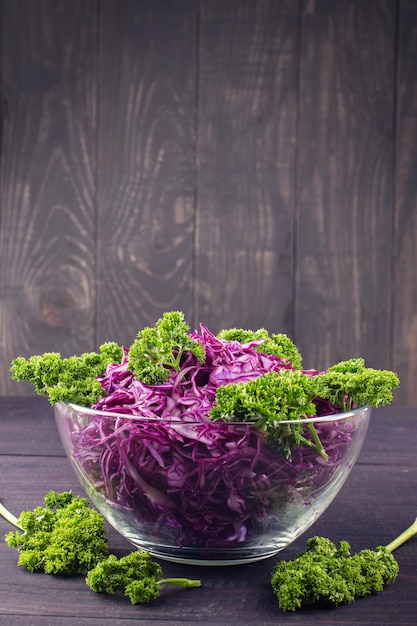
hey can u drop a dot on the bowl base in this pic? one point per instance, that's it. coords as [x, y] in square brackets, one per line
[212, 558]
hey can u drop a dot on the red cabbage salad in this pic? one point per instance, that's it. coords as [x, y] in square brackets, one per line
[204, 437]
[208, 483]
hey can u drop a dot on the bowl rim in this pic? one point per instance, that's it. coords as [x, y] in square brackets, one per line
[333, 417]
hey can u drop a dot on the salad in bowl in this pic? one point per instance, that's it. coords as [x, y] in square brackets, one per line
[203, 448]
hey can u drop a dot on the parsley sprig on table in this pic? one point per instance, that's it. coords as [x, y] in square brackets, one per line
[135, 575]
[67, 536]
[328, 575]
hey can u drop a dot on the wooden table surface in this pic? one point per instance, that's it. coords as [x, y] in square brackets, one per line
[377, 502]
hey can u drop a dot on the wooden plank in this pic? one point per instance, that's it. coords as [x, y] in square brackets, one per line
[35, 417]
[405, 287]
[345, 182]
[146, 164]
[48, 168]
[246, 163]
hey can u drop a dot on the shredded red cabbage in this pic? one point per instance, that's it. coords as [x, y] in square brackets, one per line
[204, 483]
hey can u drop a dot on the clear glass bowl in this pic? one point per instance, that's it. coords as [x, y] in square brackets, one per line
[206, 493]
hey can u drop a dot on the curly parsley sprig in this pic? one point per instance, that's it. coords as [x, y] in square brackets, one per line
[135, 575]
[160, 348]
[328, 575]
[351, 383]
[290, 395]
[65, 536]
[72, 379]
[268, 401]
[276, 344]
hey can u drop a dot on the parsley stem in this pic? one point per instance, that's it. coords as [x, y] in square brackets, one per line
[405, 536]
[180, 582]
[9, 516]
[318, 444]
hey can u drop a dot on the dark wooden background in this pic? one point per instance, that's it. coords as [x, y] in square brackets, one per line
[249, 162]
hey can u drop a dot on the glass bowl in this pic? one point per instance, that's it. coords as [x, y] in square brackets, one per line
[206, 493]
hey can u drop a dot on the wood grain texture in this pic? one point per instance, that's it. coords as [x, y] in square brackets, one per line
[48, 194]
[246, 156]
[146, 164]
[345, 182]
[405, 259]
[249, 163]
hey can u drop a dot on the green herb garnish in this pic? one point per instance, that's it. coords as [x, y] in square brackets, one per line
[161, 347]
[269, 400]
[72, 379]
[65, 536]
[350, 383]
[328, 575]
[277, 344]
[135, 575]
